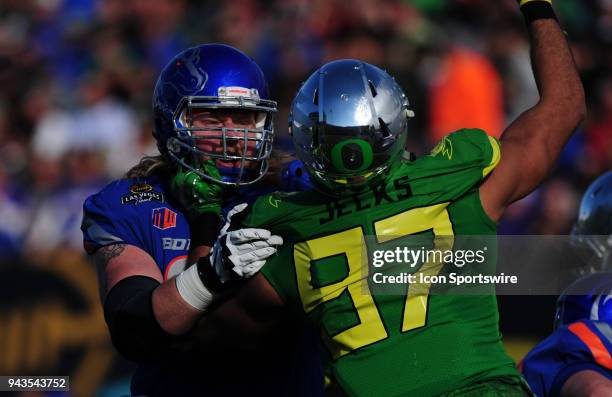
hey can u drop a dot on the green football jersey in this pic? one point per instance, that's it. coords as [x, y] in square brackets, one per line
[390, 344]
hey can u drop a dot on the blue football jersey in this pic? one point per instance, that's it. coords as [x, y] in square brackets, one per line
[583, 345]
[140, 213]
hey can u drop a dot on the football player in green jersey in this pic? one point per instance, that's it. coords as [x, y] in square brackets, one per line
[349, 123]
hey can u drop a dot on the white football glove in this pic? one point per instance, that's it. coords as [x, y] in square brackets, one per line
[236, 255]
[241, 253]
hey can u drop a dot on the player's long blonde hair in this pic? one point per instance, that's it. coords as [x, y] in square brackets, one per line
[150, 165]
[160, 165]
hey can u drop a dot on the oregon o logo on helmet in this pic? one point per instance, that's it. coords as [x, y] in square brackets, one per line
[352, 155]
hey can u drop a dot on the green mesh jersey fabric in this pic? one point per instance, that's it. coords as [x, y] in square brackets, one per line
[390, 344]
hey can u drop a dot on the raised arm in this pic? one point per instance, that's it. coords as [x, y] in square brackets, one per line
[533, 142]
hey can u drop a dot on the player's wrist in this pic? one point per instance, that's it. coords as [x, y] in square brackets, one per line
[190, 286]
[537, 9]
[215, 274]
[199, 285]
[208, 274]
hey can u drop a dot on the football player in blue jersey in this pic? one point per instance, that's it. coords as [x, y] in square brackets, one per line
[213, 122]
[576, 360]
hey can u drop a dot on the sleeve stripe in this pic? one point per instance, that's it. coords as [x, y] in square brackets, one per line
[96, 233]
[495, 156]
[592, 341]
[605, 330]
[174, 262]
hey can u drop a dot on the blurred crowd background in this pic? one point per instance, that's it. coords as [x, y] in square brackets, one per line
[76, 80]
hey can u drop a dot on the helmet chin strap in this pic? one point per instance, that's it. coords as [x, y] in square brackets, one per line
[231, 174]
[228, 175]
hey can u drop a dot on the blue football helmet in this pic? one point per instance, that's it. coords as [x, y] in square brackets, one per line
[349, 123]
[214, 76]
[589, 297]
[593, 229]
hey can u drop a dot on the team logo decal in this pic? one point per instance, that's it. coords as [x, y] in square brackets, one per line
[163, 218]
[352, 155]
[141, 188]
[142, 193]
[273, 202]
[249, 93]
[444, 148]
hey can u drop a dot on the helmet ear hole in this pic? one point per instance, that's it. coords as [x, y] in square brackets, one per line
[173, 146]
[372, 89]
[384, 129]
[315, 137]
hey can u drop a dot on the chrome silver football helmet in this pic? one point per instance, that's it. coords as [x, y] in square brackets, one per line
[349, 123]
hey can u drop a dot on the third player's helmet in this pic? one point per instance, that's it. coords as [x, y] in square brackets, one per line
[349, 123]
[590, 297]
[594, 225]
[213, 76]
